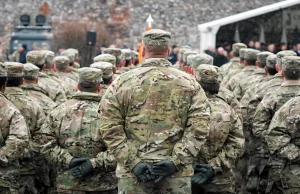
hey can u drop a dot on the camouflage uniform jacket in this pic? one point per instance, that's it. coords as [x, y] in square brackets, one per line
[29, 108]
[224, 145]
[40, 95]
[235, 80]
[69, 85]
[283, 143]
[232, 64]
[15, 57]
[72, 130]
[103, 89]
[153, 113]
[14, 139]
[230, 99]
[234, 67]
[54, 90]
[74, 74]
[245, 83]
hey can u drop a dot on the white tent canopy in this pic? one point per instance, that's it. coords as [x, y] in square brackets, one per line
[209, 30]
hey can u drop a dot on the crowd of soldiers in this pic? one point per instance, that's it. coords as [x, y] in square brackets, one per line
[153, 127]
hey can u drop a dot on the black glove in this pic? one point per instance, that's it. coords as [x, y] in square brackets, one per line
[202, 173]
[163, 169]
[143, 172]
[82, 170]
[76, 161]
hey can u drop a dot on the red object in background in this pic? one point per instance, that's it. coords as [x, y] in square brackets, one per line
[141, 47]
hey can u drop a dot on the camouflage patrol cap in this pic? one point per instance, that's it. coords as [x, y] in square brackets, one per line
[127, 54]
[49, 56]
[202, 59]
[14, 69]
[113, 51]
[135, 54]
[271, 61]
[3, 70]
[262, 56]
[290, 63]
[105, 67]
[156, 37]
[183, 49]
[282, 54]
[190, 59]
[90, 75]
[106, 58]
[251, 54]
[75, 51]
[237, 46]
[61, 62]
[242, 52]
[207, 73]
[31, 71]
[35, 57]
[69, 54]
[76, 65]
[186, 54]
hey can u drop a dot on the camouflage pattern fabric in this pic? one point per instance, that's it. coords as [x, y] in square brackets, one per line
[15, 57]
[167, 117]
[234, 81]
[230, 99]
[283, 143]
[103, 89]
[232, 68]
[68, 84]
[224, 145]
[14, 139]
[72, 130]
[54, 90]
[40, 95]
[74, 74]
[30, 109]
[241, 88]
[179, 185]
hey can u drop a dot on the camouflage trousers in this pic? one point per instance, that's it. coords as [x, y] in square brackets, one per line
[86, 192]
[5, 190]
[180, 185]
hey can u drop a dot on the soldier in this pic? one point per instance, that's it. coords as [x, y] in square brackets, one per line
[265, 112]
[167, 118]
[73, 144]
[235, 64]
[179, 64]
[34, 117]
[128, 60]
[69, 85]
[250, 60]
[224, 93]
[186, 66]
[190, 63]
[135, 58]
[107, 70]
[14, 138]
[15, 57]
[43, 60]
[31, 88]
[234, 71]
[72, 72]
[257, 75]
[271, 85]
[110, 59]
[226, 140]
[283, 143]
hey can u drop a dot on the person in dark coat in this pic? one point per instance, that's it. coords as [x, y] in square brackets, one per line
[23, 54]
[220, 59]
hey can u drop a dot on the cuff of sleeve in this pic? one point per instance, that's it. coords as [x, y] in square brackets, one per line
[217, 168]
[68, 160]
[133, 163]
[94, 163]
[176, 162]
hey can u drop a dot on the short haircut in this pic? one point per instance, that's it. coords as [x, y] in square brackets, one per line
[271, 71]
[118, 61]
[3, 81]
[127, 63]
[88, 87]
[251, 62]
[236, 53]
[262, 64]
[40, 67]
[14, 81]
[106, 81]
[158, 50]
[292, 74]
[211, 88]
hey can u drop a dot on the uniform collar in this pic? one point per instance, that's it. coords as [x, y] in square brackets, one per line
[14, 90]
[249, 68]
[34, 87]
[41, 74]
[87, 96]
[291, 83]
[259, 71]
[235, 59]
[156, 62]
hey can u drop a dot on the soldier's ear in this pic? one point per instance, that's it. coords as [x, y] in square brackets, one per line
[99, 88]
[245, 63]
[266, 70]
[143, 53]
[277, 67]
[22, 81]
[256, 63]
[37, 80]
[282, 73]
[169, 51]
[44, 67]
[78, 87]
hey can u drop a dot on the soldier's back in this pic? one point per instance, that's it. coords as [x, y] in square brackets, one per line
[69, 84]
